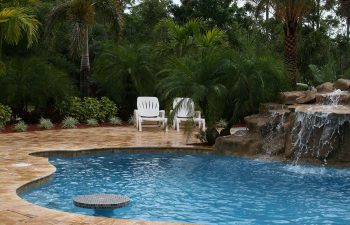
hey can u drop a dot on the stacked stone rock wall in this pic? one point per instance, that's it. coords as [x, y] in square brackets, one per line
[277, 129]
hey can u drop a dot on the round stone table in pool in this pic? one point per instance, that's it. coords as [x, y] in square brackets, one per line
[103, 204]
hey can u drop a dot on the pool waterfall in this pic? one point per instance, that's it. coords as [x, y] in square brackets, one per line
[317, 133]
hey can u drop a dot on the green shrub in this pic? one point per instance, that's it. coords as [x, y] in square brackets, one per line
[108, 108]
[92, 122]
[5, 114]
[115, 121]
[45, 124]
[69, 122]
[34, 84]
[89, 108]
[21, 126]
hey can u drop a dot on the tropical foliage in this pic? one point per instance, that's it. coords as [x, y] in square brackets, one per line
[16, 23]
[227, 55]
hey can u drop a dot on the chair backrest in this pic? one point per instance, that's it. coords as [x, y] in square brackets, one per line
[186, 109]
[148, 106]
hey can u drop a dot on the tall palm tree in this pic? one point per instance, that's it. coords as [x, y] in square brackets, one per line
[291, 13]
[118, 5]
[80, 14]
[17, 23]
[344, 10]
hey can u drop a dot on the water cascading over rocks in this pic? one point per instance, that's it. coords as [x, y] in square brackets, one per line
[317, 134]
[274, 132]
[318, 130]
[311, 126]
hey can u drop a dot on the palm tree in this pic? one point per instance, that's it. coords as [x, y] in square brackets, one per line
[344, 10]
[118, 5]
[80, 14]
[125, 71]
[201, 78]
[113, 10]
[193, 66]
[291, 13]
[17, 23]
[179, 40]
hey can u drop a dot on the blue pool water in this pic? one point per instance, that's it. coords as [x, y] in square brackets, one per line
[201, 188]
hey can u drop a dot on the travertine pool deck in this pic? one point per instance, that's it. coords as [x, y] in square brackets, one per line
[17, 167]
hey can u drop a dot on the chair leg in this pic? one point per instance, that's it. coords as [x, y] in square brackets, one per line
[178, 125]
[203, 125]
[135, 122]
[174, 124]
[140, 125]
[166, 125]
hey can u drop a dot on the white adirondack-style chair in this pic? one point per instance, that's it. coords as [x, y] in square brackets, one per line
[184, 111]
[148, 110]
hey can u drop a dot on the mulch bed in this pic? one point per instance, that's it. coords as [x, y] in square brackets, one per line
[34, 127]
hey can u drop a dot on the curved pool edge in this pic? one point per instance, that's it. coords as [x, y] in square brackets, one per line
[83, 152]
[20, 168]
[110, 150]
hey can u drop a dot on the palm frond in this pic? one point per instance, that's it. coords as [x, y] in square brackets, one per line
[15, 23]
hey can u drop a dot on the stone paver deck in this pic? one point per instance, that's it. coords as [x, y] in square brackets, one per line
[17, 167]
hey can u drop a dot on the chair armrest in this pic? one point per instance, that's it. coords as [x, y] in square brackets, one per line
[197, 114]
[162, 113]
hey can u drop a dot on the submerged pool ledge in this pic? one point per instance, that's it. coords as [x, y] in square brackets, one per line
[20, 168]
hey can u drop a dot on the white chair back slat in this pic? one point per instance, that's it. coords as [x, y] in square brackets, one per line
[186, 109]
[148, 106]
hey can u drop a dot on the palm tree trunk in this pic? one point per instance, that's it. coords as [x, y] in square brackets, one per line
[120, 18]
[348, 28]
[290, 57]
[318, 14]
[85, 66]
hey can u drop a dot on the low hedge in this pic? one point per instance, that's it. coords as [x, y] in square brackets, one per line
[5, 114]
[89, 108]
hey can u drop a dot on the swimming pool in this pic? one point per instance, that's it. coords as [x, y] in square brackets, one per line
[201, 188]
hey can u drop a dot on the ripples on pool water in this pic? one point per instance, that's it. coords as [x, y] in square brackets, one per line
[201, 188]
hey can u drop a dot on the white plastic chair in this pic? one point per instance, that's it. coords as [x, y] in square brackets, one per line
[148, 110]
[184, 111]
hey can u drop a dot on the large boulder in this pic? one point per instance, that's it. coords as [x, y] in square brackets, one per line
[325, 87]
[298, 97]
[257, 122]
[342, 155]
[245, 145]
[342, 84]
